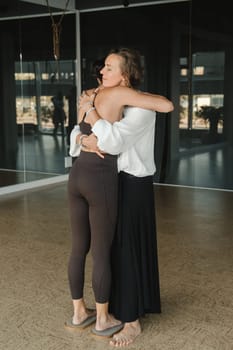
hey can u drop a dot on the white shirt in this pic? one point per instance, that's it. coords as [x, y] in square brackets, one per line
[132, 138]
[75, 148]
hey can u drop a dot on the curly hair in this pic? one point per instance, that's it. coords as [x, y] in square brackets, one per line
[131, 65]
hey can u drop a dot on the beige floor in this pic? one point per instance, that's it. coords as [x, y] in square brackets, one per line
[195, 237]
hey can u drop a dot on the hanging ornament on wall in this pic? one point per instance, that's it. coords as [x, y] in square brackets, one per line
[56, 30]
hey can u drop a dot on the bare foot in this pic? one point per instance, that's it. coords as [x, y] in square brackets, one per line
[127, 335]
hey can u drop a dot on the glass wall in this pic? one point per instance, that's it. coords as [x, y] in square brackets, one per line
[36, 108]
[205, 104]
[42, 57]
[187, 56]
[207, 97]
[42, 114]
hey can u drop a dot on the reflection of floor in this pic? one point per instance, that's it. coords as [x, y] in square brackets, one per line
[195, 259]
[44, 157]
[8, 177]
[206, 166]
[200, 166]
[43, 153]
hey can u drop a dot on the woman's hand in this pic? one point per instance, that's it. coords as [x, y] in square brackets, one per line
[85, 101]
[90, 142]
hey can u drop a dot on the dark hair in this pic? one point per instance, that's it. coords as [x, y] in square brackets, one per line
[131, 65]
[96, 68]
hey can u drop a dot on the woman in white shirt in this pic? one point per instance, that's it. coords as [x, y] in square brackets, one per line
[109, 103]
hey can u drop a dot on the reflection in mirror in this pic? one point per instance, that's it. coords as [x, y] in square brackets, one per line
[43, 114]
[203, 151]
[39, 129]
[205, 118]
[188, 57]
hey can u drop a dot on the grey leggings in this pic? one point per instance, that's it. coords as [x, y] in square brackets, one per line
[92, 194]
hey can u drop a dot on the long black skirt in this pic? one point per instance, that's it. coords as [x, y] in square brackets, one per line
[135, 274]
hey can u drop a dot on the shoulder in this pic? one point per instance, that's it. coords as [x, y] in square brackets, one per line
[108, 92]
[120, 91]
[137, 111]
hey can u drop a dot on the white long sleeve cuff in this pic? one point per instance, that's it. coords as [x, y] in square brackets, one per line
[74, 147]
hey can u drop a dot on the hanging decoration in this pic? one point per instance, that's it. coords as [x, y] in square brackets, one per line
[56, 29]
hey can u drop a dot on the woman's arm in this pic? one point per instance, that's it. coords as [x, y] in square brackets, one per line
[132, 97]
[120, 136]
[76, 135]
[118, 97]
[117, 137]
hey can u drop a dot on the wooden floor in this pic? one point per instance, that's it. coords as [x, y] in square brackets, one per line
[195, 240]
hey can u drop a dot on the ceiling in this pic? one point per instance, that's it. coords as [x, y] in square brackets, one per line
[93, 5]
[15, 8]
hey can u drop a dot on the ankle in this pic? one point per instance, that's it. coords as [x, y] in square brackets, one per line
[79, 308]
[134, 324]
[102, 312]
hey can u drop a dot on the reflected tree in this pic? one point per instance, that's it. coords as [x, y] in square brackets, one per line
[213, 115]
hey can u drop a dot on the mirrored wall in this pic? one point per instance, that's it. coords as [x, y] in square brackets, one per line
[38, 96]
[186, 47]
[187, 56]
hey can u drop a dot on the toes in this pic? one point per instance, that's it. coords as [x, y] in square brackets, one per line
[120, 341]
